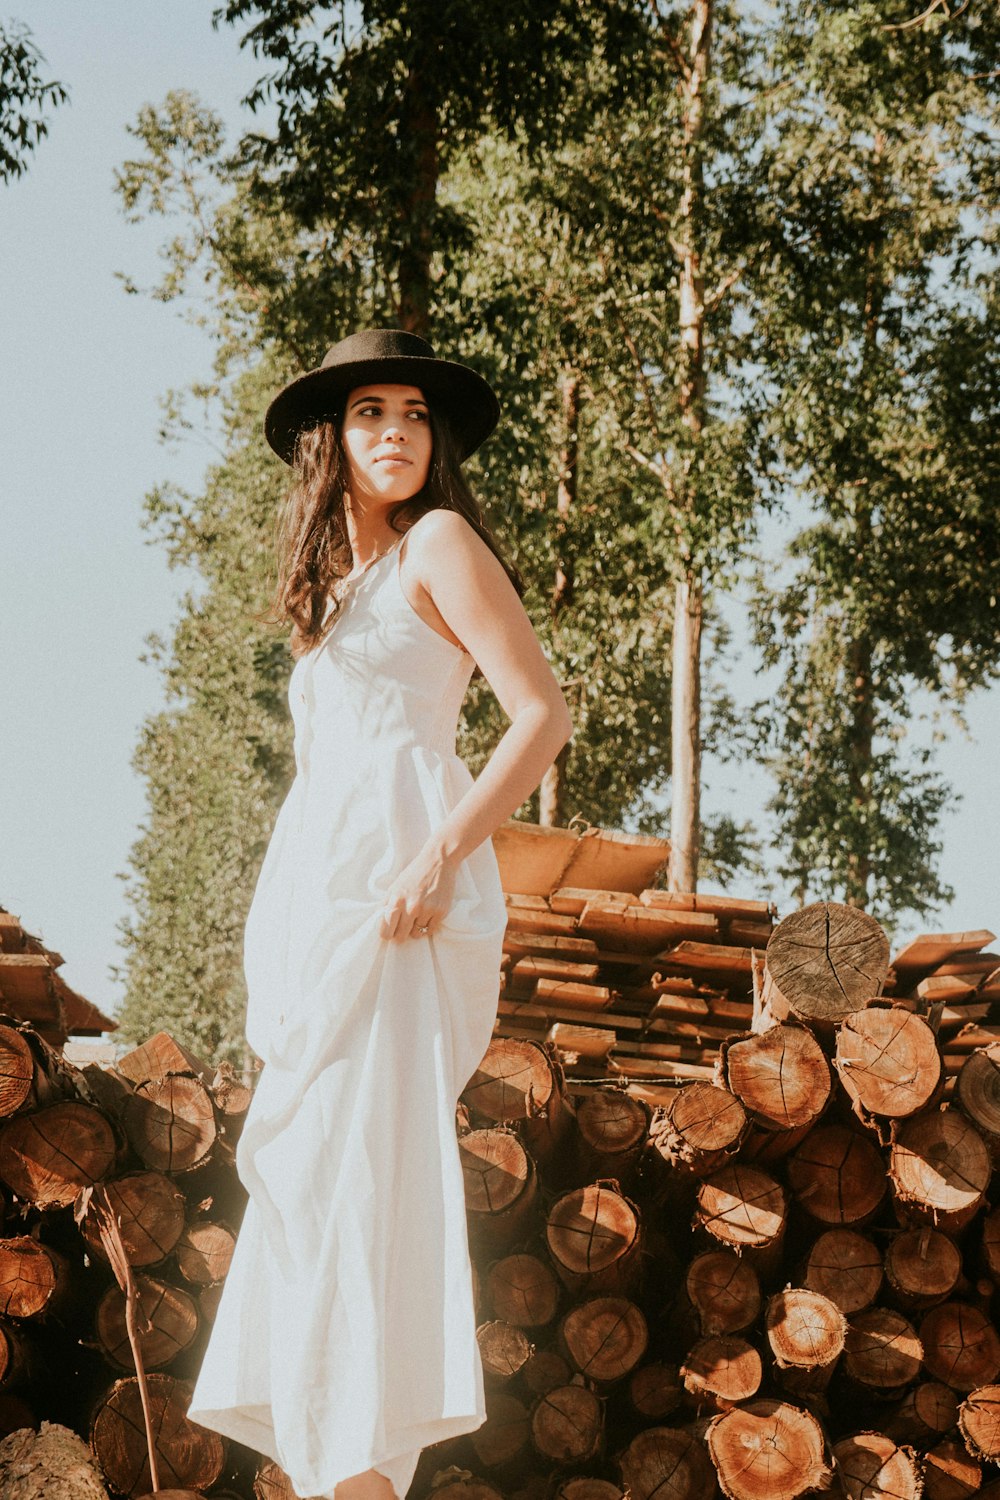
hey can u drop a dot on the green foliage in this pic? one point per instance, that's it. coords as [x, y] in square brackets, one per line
[23, 99]
[877, 329]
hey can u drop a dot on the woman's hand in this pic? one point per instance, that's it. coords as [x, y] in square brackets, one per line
[421, 896]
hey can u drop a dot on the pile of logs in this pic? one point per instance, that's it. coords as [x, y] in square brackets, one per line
[772, 1276]
[153, 1139]
[645, 986]
[783, 1280]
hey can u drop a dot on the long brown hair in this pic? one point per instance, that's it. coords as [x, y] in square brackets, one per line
[312, 542]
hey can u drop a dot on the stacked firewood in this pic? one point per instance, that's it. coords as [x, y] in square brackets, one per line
[771, 1275]
[783, 1280]
[152, 1141]
[640, 985]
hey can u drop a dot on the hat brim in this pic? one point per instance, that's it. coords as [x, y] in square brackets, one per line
[464, 398]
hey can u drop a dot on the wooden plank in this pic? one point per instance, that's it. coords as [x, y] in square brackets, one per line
[708, 958]
[537, 966]
[518, 942]
[933, 948]
[637, 928]
[655, 1067]
[541, 920]
[971, 1037]
[532, 1010]
[748, 934]
[718, 906]
[572, 898]
[943, 987]
[565, 992]
[585, 1041]
[701, 1035]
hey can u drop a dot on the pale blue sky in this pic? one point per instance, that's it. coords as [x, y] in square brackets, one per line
[84, 367]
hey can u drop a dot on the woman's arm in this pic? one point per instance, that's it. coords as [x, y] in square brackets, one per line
[480, 605]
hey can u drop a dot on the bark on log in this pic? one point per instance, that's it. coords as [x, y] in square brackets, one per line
[51, 1464]
[150, 1211]
[593, 1235]
[187, 1456]
[605, 1337]
[724, 1291]
[47, 1156]
[806, 1332]
[888, 1061]
[821, 963]
[171, 1314]
[170, 1122]
[922, 1267]
[523, 1291]
[961, 1346]
[701, 1129]
[721, 1371]
[838, 1176]
[979, 1422]
[665, 1462]
[870, 1466]
[567, 1424]
[768, 1450]
[846, 1267]
[743, 1206]
[780, 1077]
[940, 1169]
[924, 1415]
[882, 1350]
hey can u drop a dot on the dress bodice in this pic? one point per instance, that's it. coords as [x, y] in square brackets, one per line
[382, 677]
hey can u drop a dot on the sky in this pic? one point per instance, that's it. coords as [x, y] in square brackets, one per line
[83, 372]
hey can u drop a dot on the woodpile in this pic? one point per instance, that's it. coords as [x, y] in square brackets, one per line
[32, 989]
[152, 1139]
[732, 1204]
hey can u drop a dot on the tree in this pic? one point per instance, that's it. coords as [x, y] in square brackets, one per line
[878, 334]
[23, 99]
[216, 761]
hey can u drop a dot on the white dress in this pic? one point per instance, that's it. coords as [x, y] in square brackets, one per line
[345, 1333]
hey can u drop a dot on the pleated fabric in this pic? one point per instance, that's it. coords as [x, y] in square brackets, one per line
[345, 1333]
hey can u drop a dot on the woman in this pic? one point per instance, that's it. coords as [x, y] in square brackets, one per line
[344, 1341]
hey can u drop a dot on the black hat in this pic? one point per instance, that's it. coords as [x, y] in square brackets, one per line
[463, 397]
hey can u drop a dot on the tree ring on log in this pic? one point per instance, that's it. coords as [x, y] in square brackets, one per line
[888, 1061]
[825, 961]
[940, 1167]
[768, 1448]
[846, 1267]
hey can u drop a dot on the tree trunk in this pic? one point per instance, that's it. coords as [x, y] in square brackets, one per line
[552, 787]
[417, 211]
[685, 710]
[686, 685]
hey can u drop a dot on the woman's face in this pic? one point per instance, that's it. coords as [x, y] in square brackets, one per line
[387, 438]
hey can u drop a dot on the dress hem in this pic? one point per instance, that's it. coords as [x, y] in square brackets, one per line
[259, 1438]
